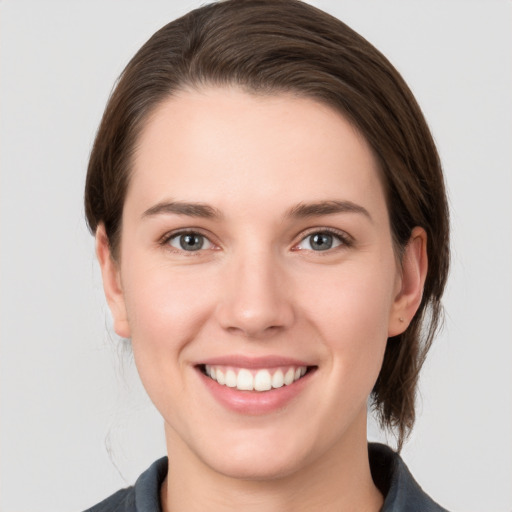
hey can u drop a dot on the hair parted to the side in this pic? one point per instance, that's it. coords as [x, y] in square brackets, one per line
[287, 46]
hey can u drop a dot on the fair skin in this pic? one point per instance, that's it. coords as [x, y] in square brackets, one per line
[255, 238]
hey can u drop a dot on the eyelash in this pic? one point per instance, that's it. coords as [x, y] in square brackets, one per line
[344, 239]
[166, 239]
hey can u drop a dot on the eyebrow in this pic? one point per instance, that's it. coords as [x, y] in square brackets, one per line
[300, 211]
[304, 210]
[183, 208]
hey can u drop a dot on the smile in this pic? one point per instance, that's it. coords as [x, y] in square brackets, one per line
[245, 379]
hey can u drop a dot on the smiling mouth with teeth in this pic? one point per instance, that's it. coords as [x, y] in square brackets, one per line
[244, 379]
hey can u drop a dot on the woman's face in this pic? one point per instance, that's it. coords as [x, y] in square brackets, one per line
[255, 246]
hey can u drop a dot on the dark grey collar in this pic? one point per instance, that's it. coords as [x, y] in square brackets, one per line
[396, 483]
[389, 473]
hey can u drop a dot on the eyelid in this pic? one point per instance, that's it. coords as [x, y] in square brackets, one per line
[165, 239]
[343, 236]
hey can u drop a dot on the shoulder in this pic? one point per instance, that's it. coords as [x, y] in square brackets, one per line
[121, 501]
[144, 496]
[392, 477]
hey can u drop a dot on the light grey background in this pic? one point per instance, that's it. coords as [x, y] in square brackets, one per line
[67, 391]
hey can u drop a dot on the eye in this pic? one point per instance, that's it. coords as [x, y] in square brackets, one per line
[321, 241]
[189, 242]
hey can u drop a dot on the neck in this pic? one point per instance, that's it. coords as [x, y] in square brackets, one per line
[338, 481]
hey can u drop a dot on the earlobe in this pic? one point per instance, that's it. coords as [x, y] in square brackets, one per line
[414, 273]
[112, 283]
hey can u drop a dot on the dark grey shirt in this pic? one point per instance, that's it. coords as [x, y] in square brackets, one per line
[390, 474]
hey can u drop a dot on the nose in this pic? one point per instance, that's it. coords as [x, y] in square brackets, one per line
[256, 299]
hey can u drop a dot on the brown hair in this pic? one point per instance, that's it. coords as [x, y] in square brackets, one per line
[274, 46]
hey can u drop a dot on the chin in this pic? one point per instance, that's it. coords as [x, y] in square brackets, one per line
[256, 467]
[262, 457]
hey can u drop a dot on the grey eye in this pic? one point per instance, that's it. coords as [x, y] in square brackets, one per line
[320, 241]
[190, 242]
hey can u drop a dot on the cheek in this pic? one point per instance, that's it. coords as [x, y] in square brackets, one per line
[353, 299]
[166, 310]
[165, 307]
[350, 309]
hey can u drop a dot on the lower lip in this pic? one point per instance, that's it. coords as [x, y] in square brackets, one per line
[255, 402]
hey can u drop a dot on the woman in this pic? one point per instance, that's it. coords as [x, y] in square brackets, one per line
[272, 229]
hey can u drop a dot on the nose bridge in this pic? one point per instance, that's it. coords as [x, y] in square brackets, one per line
[255, 301]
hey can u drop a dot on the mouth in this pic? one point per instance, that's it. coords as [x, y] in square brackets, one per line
[256, 385]
[255, 379]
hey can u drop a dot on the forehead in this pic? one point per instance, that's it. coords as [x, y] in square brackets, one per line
[201, 143]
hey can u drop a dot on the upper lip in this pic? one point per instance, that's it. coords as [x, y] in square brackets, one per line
[243, 361]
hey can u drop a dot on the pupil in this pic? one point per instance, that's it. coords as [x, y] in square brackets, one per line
[191, 242]
[321, 241]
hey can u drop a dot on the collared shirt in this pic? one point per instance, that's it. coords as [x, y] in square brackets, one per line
[389, 472]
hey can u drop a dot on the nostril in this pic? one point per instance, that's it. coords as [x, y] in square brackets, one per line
[255, 331]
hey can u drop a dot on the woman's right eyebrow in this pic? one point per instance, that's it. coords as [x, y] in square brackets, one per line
[183, 208]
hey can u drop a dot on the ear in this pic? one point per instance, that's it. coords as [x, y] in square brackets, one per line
[112, 283]
[411, 282]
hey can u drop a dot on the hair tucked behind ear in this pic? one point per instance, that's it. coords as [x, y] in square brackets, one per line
[273, 46]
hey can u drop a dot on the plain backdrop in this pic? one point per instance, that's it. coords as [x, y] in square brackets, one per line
[75, 424]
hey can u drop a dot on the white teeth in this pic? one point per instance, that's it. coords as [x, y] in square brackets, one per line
[245, 380]
[220, 377]
[255, 380]
[278, 379]
[231, 379]
[289, 376]
[262, 380]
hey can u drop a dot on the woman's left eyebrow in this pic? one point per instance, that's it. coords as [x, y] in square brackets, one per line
[330, 207]
[183, 208]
